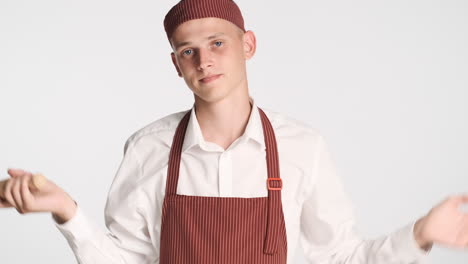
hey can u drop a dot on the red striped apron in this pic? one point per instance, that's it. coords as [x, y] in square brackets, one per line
[225, 230]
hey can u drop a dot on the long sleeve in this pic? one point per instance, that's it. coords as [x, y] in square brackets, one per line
[327, 225]
[127, 240]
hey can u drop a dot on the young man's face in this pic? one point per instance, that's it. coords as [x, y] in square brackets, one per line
[210, 55]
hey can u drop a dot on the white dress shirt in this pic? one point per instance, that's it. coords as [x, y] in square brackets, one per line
[318, 214]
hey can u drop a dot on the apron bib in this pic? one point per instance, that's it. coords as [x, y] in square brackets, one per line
[227, 230]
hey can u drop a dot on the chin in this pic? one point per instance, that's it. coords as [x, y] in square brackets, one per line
[213, 96]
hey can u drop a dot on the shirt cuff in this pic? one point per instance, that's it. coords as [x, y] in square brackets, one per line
[407, 245]
[77, 229]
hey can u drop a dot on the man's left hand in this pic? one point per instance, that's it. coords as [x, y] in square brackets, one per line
[445, 224]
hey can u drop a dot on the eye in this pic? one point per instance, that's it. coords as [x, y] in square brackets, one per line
[187, 52]
[218, 43]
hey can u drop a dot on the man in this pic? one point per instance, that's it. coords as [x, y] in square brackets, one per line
[226, 181]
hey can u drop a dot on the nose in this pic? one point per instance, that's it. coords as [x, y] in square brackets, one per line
[205, 60]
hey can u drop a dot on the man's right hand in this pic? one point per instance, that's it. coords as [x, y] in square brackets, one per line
[50, 197]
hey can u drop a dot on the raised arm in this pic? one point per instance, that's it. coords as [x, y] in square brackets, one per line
[127, 239]
[328, 225]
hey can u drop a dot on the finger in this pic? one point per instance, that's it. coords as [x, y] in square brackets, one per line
[28, 198]
[16, 172]
[465, 235]
[7, 194]
[15, 191]
[460, 199]
[4, 203]
[464, 198]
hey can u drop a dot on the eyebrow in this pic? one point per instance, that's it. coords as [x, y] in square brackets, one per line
[185, 43]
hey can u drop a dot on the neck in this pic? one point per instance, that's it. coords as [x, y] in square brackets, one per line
[223, 121]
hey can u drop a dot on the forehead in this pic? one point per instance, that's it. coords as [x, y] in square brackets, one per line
[203, 27]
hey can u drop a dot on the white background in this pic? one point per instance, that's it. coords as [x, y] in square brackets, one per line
[384, 81]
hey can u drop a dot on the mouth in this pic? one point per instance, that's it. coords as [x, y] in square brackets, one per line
[210, 78]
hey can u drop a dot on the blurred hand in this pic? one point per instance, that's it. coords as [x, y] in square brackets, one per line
[50, 198]
[445, 224]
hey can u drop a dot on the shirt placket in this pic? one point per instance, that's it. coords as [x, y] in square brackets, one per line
[225, 174]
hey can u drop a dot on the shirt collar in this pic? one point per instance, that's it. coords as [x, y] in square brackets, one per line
[253, 130]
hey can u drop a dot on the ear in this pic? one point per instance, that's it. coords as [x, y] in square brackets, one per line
[250, 44]
[174, 61]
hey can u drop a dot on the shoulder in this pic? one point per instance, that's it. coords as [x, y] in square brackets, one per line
[160, 131]
[286, 126]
